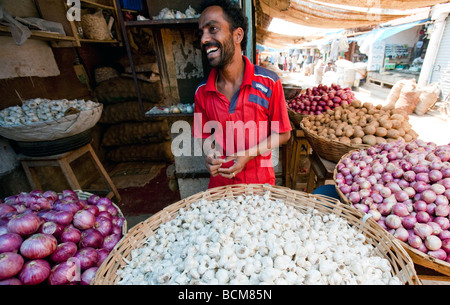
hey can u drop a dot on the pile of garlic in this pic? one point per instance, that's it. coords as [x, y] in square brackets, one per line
[255, 240]
[41, 110]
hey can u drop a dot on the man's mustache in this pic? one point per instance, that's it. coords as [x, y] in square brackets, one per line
[210, 44]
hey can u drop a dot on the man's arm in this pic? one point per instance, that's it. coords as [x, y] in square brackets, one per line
[241, 158]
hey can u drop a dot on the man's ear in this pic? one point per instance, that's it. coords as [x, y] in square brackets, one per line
[238, 35]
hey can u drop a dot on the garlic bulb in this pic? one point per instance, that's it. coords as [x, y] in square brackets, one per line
[255, 240]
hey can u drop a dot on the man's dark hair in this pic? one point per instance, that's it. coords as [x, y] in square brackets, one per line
[233, 14]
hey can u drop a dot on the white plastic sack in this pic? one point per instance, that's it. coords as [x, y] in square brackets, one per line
[52, 130]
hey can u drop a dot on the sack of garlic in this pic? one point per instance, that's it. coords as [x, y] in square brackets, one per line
[253, 239]
[43, 119]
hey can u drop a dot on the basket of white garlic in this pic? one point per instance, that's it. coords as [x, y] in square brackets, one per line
[257, 234]
[46, 120]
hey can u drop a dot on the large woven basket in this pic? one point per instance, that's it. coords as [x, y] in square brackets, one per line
[386, 245]
[417, 256]
[296, 118]
[329, 149]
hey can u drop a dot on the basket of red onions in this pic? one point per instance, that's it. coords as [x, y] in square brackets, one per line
[56, 239]
[316, 100]
[405, 187]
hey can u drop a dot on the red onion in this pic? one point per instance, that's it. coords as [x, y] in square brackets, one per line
[10, 242]
[64, 273]
[118, 221]
[6, 209]
[423, 230]
[34, 272]
[38, 245]
[114, 211]
[51, 228]
[24, 224]
[393, 221]
[62, 217]
[439, 254]
[409, 221]
[71, 207]
[10, 264]
[103, 225]
[63, 252]
[91, 238]
[116, 230]
[69, 193]
[71, 234]
[102, 255]
[93, 209]
[10, 282]
[93, 199]
[51, 196]
[86, 257]
[105, 214]
[415, 241]
[110, 241]
[88, 275]
[83, 219]
[104, 201]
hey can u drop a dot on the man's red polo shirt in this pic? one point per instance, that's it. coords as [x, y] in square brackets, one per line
[256, 109]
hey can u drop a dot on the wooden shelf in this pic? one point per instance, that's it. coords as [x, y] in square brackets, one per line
[163, 22]
[40, 34]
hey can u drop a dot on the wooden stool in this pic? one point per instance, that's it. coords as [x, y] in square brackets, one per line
[63, 161]
[297, 141]
[321, 169]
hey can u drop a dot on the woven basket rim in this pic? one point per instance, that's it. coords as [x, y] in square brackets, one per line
[400, 261]
[417, 256]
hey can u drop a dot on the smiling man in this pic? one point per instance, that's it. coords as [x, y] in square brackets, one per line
[241, 107]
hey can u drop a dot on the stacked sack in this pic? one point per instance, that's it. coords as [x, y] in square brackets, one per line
[407, 95]
[128, 136]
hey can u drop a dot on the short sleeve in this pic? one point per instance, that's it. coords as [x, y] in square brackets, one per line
[278, 115]
[200, 117]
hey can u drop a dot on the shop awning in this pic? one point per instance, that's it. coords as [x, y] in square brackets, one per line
[388, 32]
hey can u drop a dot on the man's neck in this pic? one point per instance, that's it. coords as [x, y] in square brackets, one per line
[230, 78]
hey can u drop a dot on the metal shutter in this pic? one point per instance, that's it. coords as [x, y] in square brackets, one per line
[441, 70]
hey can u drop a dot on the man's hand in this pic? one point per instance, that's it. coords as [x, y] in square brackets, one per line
[237, 167]
[213, 162]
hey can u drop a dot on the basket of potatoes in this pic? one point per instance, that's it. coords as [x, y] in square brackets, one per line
[334, 133]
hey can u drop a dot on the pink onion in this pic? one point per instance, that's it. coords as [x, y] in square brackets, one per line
[71, 234]
[400, 209]
[385, 208]
[64, 273]
[110, 241]
[34, 272]
[435, 175]
[415, 241]
[443, 222]
[439, 254]
[63, 252]
[409, 221]
[393, 221]
[445, 234]
[420, 205]
[10, 242]
[38, 245]
[428, 196]
[83, 219]
[423, 217]
[402, 234]
[423, 230]
[436, 227]
[24, 224]
[91, 238]
[87, 257]
[446, 245]
[442, 210]
[88, 275]
[10, 264]
[441, 200]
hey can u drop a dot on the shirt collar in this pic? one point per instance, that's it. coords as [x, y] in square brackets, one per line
[249, 71]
